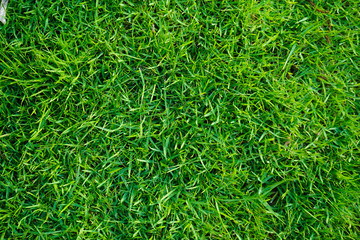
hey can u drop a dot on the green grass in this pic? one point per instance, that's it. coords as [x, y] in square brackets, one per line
[180, 120]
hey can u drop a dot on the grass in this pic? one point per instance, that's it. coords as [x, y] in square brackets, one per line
[180, 120]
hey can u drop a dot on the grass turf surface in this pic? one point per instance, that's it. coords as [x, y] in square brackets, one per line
[180, 120]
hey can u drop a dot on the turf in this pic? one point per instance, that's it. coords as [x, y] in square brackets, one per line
[180, 119]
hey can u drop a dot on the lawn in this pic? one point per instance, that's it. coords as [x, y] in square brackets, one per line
[180, 119]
